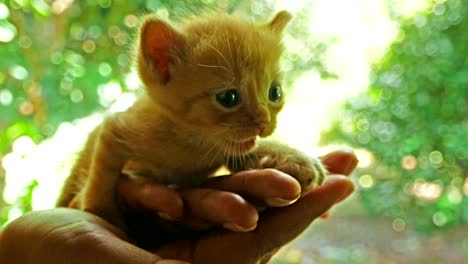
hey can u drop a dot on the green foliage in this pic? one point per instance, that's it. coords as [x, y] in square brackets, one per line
[413, 118]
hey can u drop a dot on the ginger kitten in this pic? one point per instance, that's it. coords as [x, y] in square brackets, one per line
[213, 87]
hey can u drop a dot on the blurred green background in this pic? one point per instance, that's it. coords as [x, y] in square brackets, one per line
[388, 78]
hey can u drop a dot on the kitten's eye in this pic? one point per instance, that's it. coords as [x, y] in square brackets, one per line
[275, 93]
[228, 98]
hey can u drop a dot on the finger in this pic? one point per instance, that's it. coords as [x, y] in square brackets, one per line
[274, 187]
[137, 195]
[221, 208]
[341, 161]
[275, 228]
[280, 225]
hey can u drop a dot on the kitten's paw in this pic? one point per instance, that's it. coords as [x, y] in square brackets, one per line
[309, 172]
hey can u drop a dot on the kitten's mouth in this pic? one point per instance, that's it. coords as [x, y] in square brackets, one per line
[242, 146]
[248, 143]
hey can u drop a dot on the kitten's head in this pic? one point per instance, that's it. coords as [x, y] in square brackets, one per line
[217, 75]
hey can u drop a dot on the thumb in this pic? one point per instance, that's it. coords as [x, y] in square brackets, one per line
[281, 225]
[64, 235]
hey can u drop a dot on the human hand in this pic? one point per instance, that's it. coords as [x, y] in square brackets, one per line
[67, 235]
[146, 207]
[276, 227]
[156, 214]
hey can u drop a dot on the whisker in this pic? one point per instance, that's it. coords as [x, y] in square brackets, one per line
[220, 131]
[236, 152]
[215, 66]
[207, 154]
[226, 124]
[215, 145]
[231, 146]
[220, 54]
[244, 159]
[240, 148]
[238, 52]
[218, 149]
[228, 45]
[227, 157]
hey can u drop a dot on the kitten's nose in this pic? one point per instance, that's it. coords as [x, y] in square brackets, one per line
[262, 122]
[261, 118]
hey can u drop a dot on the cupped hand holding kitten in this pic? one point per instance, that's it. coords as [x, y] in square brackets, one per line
[62, 235]
[230, 201]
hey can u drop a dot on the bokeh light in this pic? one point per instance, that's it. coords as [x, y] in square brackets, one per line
[427, 191]
[366, 181]
[399, 225]
[409, 162]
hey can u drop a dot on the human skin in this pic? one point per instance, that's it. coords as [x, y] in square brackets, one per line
[65, 235]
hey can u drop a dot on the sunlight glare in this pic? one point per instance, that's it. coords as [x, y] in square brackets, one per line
[14, 213]
[291, 6]
[23, 145]
[123, 102]
[109, 92]
[132, 80]
[364, 31]
[408, 8]
[296, 127]
[48, 163]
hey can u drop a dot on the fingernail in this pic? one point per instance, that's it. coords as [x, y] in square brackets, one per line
[166, 216]
[325, 215]
[350, 165]
[237, 228]
[279, 202]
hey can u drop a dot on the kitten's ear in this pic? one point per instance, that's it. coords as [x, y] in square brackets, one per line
[160, 45]
[280, 21]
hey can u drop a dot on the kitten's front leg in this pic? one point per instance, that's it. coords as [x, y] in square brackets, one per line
[108, 159]
[308, 171]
